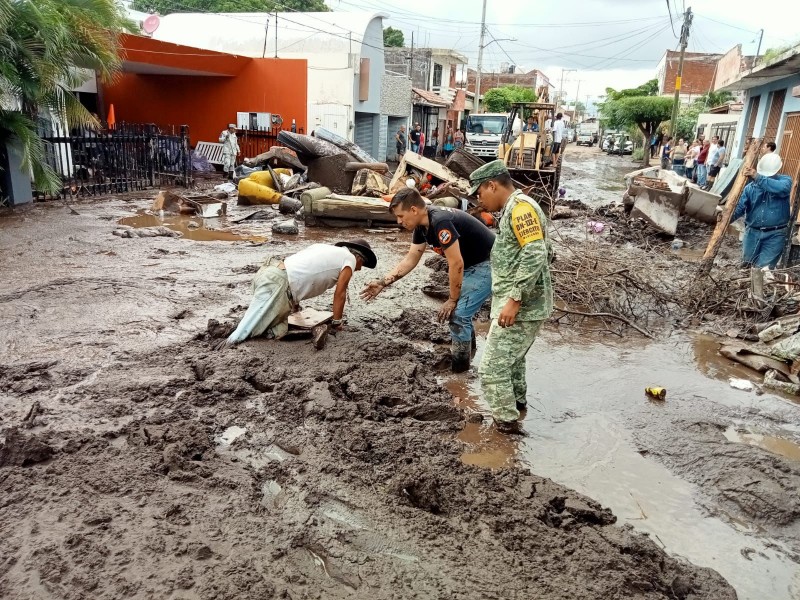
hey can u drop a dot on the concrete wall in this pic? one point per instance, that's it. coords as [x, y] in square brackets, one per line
[791, 104]
[417, 64]
[396, 96]
[372, 48]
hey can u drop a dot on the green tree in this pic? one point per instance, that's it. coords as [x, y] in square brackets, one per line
[686, 125]
[393, 38]
[165, 7]
[42, 44]
[499, 99]
[647, 113]
[712, 99]
[649, 88]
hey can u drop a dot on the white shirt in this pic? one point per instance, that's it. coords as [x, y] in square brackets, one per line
[548, 124]
[558, 130]
[316, 269]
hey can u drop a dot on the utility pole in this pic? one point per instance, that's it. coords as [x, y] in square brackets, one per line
[760, 39]
[561, 87]
[586, 106]
[480, 61]
[687, 24]
[577, 97]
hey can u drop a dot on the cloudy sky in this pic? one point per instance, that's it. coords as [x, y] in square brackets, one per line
[610, 43]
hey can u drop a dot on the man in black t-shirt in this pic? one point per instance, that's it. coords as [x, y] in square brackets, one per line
[466, 243]
[414, 137]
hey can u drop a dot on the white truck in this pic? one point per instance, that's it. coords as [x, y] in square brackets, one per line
[483, 132]
[588, 134]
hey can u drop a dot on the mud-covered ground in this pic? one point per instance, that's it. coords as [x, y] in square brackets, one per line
[137, 462]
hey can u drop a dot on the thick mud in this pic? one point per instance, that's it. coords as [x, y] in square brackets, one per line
[137, 462]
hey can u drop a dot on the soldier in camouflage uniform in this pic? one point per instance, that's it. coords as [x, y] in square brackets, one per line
[522, 291]
[230, 150]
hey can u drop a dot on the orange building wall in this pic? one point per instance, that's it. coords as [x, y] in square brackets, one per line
[208, 104]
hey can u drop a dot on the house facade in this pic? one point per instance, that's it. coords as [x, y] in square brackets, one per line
[699, 70]
[343, 51]
[771, 106]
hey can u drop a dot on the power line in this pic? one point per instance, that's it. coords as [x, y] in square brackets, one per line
[669, 10]
[393, 8]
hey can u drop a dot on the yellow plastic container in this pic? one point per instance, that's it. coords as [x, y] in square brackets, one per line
[265, 177]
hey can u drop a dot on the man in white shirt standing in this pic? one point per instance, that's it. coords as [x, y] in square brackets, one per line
[280, 285]
[558, 135]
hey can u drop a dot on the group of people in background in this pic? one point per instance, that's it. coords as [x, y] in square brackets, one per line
[416, 141]
[700, 161]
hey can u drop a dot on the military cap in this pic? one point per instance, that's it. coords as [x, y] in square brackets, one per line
[496, 168]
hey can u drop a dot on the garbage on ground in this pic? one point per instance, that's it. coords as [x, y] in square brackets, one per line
[289, 206]
[319, 206]
[286, 227]
[657, 393]
[741, 384]
[760, 361]
[201, 205]
[226, 187]
[595, 227]
[660, 197]
[773, 382]
[200, 163]
[145, 232]
[259, 215]
[369, 183]
[770, 333]
[309, 148]
[677, 244]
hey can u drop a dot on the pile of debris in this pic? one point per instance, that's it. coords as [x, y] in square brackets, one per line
[775, 355]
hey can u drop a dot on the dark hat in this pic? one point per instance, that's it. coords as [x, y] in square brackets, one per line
[363, 248]
[489, 171]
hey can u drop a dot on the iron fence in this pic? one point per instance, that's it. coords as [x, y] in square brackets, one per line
[253, 142]
[119, 159]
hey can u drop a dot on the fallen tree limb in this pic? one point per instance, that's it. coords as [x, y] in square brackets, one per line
[601, 315]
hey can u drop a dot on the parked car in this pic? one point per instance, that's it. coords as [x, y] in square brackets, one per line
[585, 138]
[618, 144]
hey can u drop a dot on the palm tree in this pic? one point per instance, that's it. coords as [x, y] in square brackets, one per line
[712, 99]
[43, 45]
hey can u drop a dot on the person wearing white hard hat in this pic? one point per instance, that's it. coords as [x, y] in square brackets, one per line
[765, 206]
[230, 150]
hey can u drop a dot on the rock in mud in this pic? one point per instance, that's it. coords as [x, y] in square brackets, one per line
[23, 449]
[286, 227]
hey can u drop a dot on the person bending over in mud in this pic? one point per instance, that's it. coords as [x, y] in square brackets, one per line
[466, 243]
[280, 285]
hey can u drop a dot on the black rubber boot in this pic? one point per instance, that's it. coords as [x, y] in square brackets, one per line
[460, 353]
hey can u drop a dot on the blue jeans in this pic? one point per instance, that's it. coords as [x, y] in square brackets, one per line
[475, 290]
[415, 148]
[702, 174]
[677, 166]
[763, 248]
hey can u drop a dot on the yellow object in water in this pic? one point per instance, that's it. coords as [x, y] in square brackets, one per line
[258, 188]
[656, 393]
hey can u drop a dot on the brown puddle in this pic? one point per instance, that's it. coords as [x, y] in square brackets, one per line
[486, 447]
[775, 445]
[192, 228]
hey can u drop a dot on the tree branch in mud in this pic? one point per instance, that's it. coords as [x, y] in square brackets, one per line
[602, 315]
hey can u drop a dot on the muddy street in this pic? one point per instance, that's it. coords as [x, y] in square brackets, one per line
[136, 461]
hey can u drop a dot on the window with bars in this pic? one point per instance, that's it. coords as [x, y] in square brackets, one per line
[437, 75]
[790, 145]
[774, 116]
[750, 129]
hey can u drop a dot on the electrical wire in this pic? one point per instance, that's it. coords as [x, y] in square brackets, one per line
[387, 6]
[621, 56]
[671, 22]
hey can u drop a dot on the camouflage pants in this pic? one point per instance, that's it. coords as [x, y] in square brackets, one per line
[502, 367]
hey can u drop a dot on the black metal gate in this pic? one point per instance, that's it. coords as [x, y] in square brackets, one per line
[118, 159]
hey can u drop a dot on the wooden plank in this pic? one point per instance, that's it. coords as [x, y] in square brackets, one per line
[308, 318]
[750, 160]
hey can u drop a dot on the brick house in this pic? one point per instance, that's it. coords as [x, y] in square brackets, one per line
[533, 79]
[699, 71]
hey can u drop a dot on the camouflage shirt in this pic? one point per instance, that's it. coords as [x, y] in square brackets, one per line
[520, 260]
